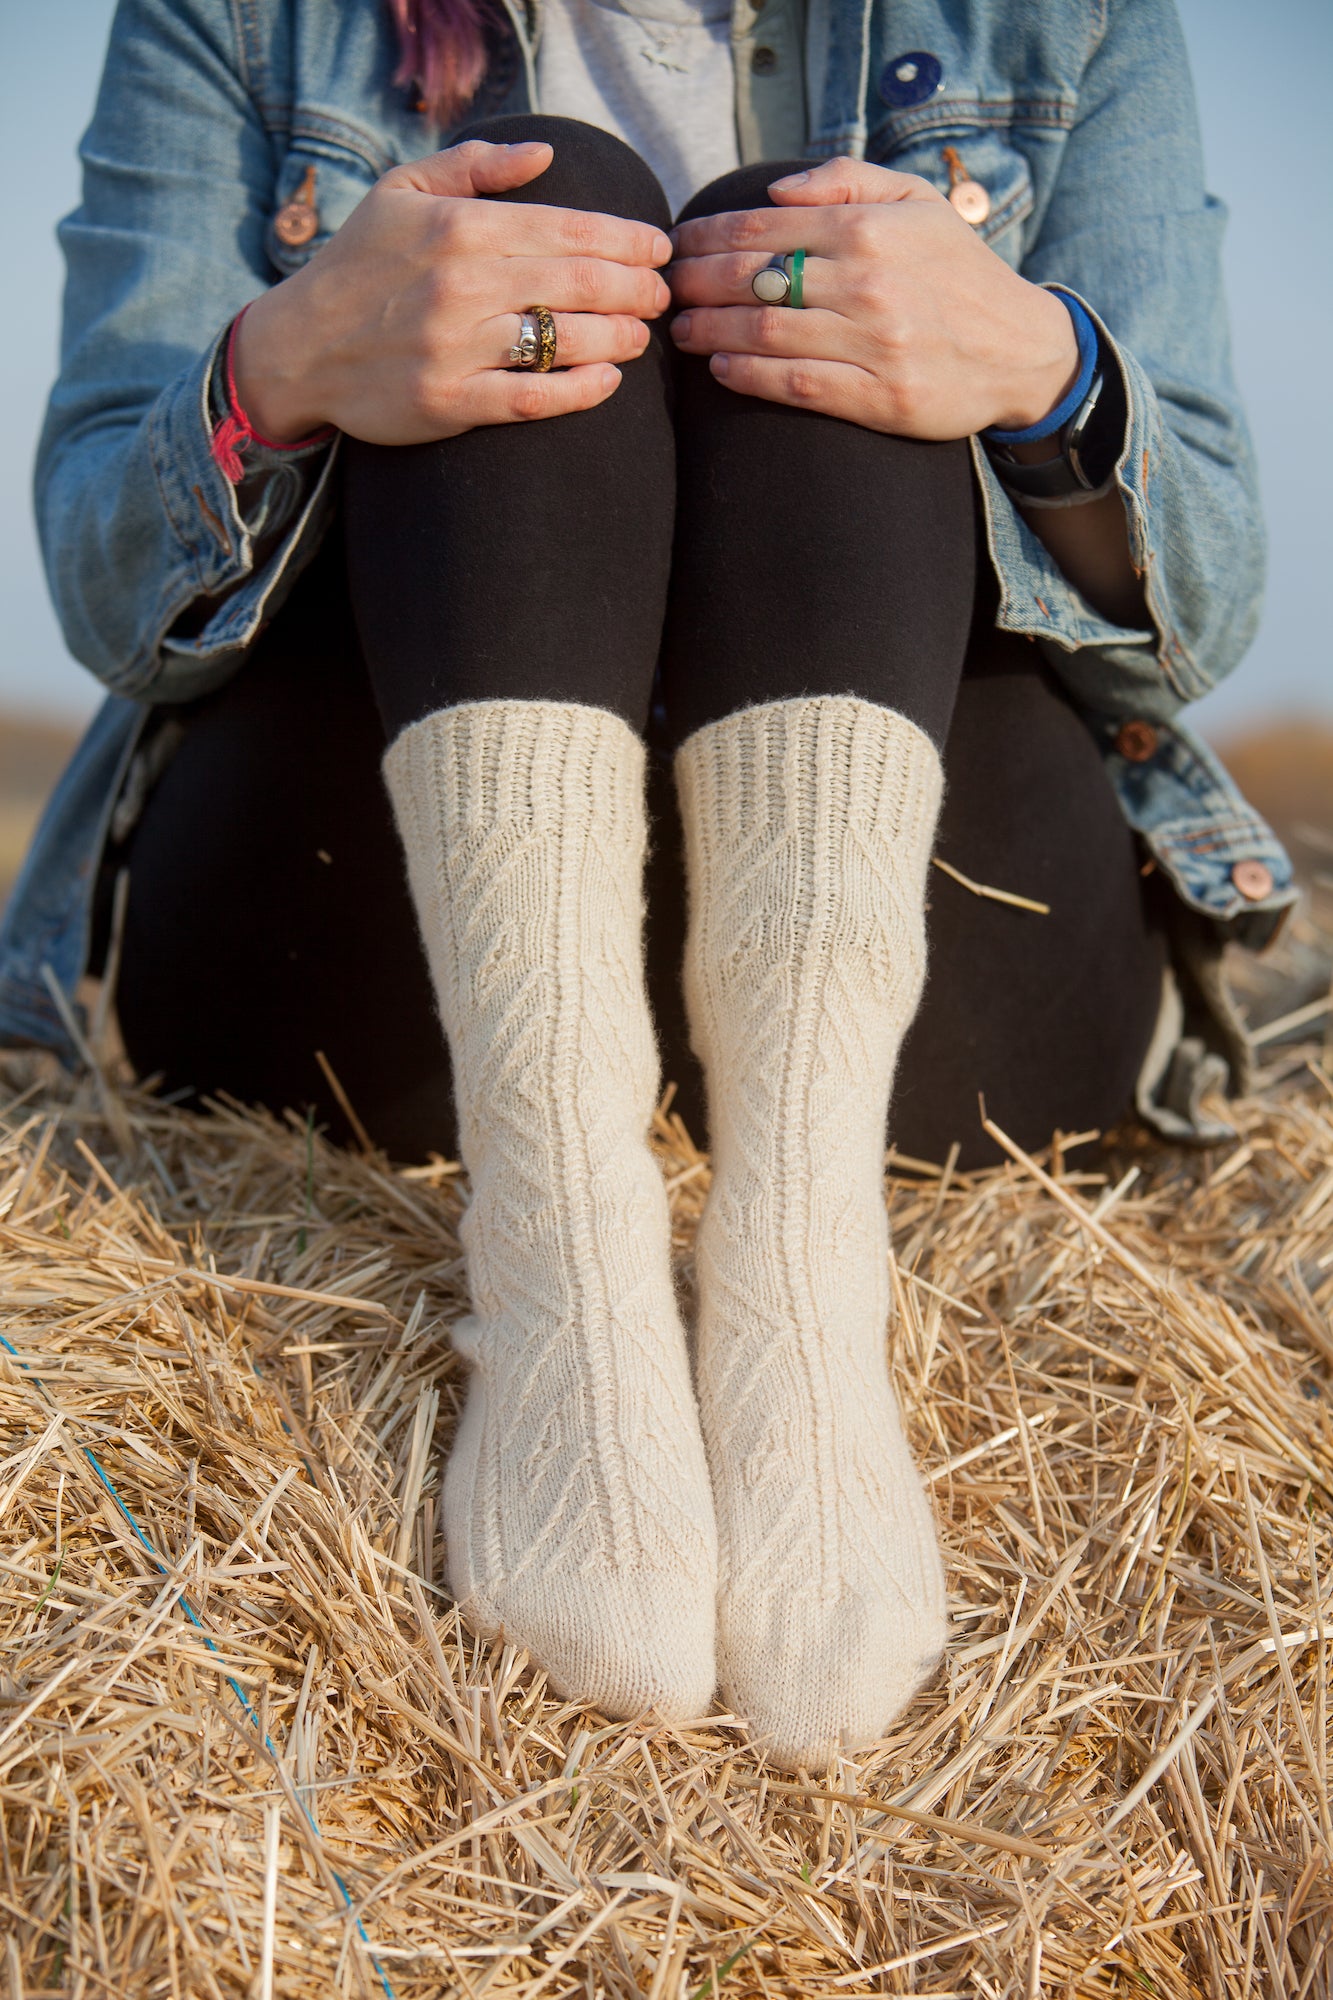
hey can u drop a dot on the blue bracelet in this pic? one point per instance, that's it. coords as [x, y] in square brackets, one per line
[1064, 410]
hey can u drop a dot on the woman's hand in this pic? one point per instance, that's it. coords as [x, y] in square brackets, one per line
[911, 323]
[398, 331]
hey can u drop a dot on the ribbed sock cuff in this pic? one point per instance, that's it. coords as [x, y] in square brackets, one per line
[519, 762]
[823, 759]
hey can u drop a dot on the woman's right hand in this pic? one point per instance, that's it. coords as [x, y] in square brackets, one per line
[398, 331]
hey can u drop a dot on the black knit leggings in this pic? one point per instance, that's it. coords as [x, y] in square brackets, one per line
[674, 554]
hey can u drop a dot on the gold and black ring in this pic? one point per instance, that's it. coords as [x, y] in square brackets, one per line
[545, 340]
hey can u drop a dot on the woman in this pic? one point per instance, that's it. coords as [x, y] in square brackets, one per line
[935, 478]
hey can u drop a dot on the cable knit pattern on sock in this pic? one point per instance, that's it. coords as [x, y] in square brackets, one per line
[808, 829]
[577, 1503]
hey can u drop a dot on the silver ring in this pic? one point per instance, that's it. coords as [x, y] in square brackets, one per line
[526, 349]
[772, 285]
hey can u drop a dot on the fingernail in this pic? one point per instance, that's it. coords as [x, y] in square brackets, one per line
[612, 378]
[719, 364]
[662, 248]
[680, 327]
[791, 180]
[526, 146]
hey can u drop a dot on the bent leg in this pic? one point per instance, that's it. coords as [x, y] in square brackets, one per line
[509, 587]
[525, 561]
[822, 601]
[812, 556]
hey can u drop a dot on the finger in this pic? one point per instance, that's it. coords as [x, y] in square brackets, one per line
[763, 330]
[844, 180]
[509, 396]
[766, 229]
[835, 387]
[582, 284]
[579, 338]
[479, 168]
[724, 280]
[475, 167]
[525, 229]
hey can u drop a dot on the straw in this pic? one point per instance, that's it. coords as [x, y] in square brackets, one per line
[230, 1388]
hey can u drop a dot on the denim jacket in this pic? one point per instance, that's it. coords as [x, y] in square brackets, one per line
[1075, 115]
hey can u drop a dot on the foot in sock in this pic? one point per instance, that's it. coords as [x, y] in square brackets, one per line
[577, 1504]
[808, 829]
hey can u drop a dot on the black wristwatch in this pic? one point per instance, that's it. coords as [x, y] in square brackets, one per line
[1090, 442]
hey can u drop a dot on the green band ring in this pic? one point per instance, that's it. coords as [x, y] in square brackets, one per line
[795, 262]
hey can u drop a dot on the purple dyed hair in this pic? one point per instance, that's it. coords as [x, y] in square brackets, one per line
[443, 45]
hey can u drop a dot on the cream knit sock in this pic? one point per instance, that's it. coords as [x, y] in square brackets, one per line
[808, 829]
[577, 1504]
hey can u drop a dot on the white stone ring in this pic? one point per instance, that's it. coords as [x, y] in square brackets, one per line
[782, 281]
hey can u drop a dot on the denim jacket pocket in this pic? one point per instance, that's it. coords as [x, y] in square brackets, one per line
[318, 185]
[958, 148]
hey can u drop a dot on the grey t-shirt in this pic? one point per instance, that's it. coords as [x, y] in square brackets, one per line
[658, 73]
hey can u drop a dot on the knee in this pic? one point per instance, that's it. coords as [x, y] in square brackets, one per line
[743, 187]
[591, 169]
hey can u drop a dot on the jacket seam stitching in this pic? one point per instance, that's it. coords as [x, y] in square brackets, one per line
[293, 123]
[1057, 113]
[243, 26]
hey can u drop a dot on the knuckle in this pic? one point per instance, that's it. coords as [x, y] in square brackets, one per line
[768, 326]
[586, 277]
[527, 400]
[452, 220]
[802, 385]
[582, 231]
[904, 389]
[862, 233]
[748, 226]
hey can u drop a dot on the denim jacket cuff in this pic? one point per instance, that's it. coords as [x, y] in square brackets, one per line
[217, 541]
[1113, 670]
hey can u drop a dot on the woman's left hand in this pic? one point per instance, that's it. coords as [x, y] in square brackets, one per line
[911, 323]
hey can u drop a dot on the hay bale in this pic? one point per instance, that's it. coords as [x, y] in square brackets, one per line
[1117, 1381]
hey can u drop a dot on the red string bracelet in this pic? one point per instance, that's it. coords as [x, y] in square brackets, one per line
[236, 431]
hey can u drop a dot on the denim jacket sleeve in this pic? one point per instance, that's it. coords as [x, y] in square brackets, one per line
[151, 561]
[1130, 229]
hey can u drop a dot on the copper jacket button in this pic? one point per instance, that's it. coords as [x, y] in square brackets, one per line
[1253, 880]
[971, 201]
[297, 221]
[1136, 742]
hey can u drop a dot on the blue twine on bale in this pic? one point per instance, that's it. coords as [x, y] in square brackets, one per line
[195, 1620]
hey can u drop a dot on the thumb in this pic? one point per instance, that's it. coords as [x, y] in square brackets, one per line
[477, 167]
[844, 180]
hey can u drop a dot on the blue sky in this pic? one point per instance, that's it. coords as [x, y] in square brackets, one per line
[1265, 83]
